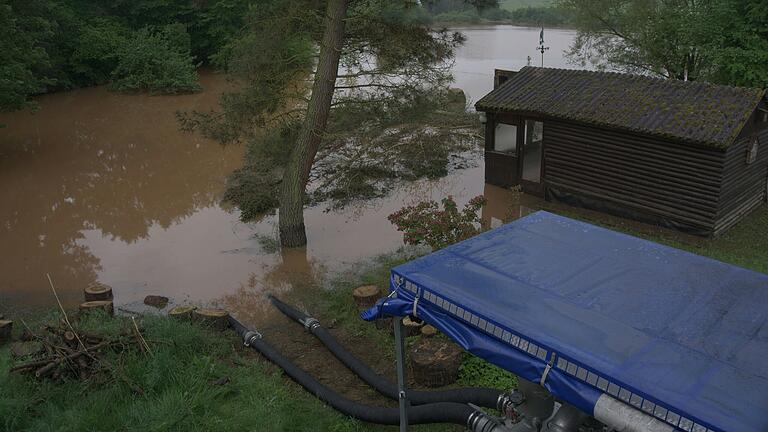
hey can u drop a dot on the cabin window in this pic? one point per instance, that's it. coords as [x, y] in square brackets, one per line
[752, 150]
[505, 138]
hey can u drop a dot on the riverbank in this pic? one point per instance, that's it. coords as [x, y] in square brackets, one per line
[195, 379]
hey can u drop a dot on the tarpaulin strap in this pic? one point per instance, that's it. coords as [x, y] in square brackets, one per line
[416, 303]
[548, 368]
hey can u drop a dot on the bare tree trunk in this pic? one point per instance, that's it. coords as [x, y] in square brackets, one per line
[296, 175]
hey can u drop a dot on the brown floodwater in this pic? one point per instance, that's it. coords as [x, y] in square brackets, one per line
[102, 186]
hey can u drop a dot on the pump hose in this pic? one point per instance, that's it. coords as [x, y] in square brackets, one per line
[445, 412]
[484, 397]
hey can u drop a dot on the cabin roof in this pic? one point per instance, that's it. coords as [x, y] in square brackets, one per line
[698, 112]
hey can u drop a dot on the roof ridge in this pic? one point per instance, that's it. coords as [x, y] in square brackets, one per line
[620, 74]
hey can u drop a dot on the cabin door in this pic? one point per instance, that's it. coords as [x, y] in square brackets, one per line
[502, 150]
[532, 155]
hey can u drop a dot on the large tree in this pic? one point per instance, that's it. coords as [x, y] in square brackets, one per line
[715, 40]
[338, 99]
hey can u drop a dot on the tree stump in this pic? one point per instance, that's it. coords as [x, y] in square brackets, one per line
[181, 312]
[97, 292]
[411, 327]
[428, 331]
[366, 296]
[435, 362]
[103, 305]
[216, 318]
[5, 331]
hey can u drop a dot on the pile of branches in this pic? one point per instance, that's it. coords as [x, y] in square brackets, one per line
[56, 352]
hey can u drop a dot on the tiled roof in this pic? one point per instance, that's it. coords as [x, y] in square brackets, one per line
[690, 111]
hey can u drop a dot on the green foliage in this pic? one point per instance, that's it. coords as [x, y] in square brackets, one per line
[22, 59]
[549, 16]
[477, 372]
[723, 41]
[97, 50]
[512, 5]
[426, 223]
[52, 45]
[157, 60]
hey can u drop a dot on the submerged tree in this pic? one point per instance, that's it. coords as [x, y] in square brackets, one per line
[379, 106]
[723, 41]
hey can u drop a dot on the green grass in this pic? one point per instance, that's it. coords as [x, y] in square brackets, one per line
[178, 391]
[744, 245]
[512, 5]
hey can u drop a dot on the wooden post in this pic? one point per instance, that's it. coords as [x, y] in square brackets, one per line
[216, 318]
[181, 312]
[366, 296]
[105, 305]
[5, 331]
[97, 292]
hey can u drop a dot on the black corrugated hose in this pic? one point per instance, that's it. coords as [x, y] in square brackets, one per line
[445, 412]
[484, 397]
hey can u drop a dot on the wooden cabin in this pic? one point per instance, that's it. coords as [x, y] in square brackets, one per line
[687, 155]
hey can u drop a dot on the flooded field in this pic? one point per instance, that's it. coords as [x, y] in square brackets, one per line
[100, 186]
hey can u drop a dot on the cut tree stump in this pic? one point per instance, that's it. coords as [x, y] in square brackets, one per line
[216, 318]
[428, 331]
[181, 312]
[435, 362]
[98, 292]
[103, 305]
[411, 327]
[366, 296]
[5, 331]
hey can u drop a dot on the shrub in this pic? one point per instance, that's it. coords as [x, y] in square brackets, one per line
[426, 223]
[157, 60]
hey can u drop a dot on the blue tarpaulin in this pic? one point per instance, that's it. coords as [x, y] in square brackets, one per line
[679, 336]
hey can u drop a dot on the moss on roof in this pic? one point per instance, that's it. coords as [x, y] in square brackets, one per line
[697, 112]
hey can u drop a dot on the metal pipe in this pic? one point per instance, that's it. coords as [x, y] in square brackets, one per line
[624, 418]
[402, 394]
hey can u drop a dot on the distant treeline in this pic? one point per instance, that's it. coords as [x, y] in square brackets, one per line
[154, 45]
[461, 11]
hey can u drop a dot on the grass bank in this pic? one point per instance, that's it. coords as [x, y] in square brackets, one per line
[745, 245]
[200, 379]
[197, 378]
[194, 380]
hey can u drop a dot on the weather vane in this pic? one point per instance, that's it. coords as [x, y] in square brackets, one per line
[541, 48]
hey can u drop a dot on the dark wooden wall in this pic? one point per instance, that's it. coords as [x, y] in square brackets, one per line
[643, 177]
[743, 185]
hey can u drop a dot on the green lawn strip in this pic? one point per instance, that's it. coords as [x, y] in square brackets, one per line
[179, 391]
[744, 245]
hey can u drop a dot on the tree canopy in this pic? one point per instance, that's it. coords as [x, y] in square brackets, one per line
[151, 45]
[722, 41]
[392, 114]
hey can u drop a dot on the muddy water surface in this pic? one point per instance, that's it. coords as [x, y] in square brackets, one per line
[100, 186]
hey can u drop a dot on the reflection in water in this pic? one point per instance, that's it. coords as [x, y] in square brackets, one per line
[103, 186]
[93, 167]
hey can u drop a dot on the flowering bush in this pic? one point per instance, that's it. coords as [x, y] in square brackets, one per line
[426, 223]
